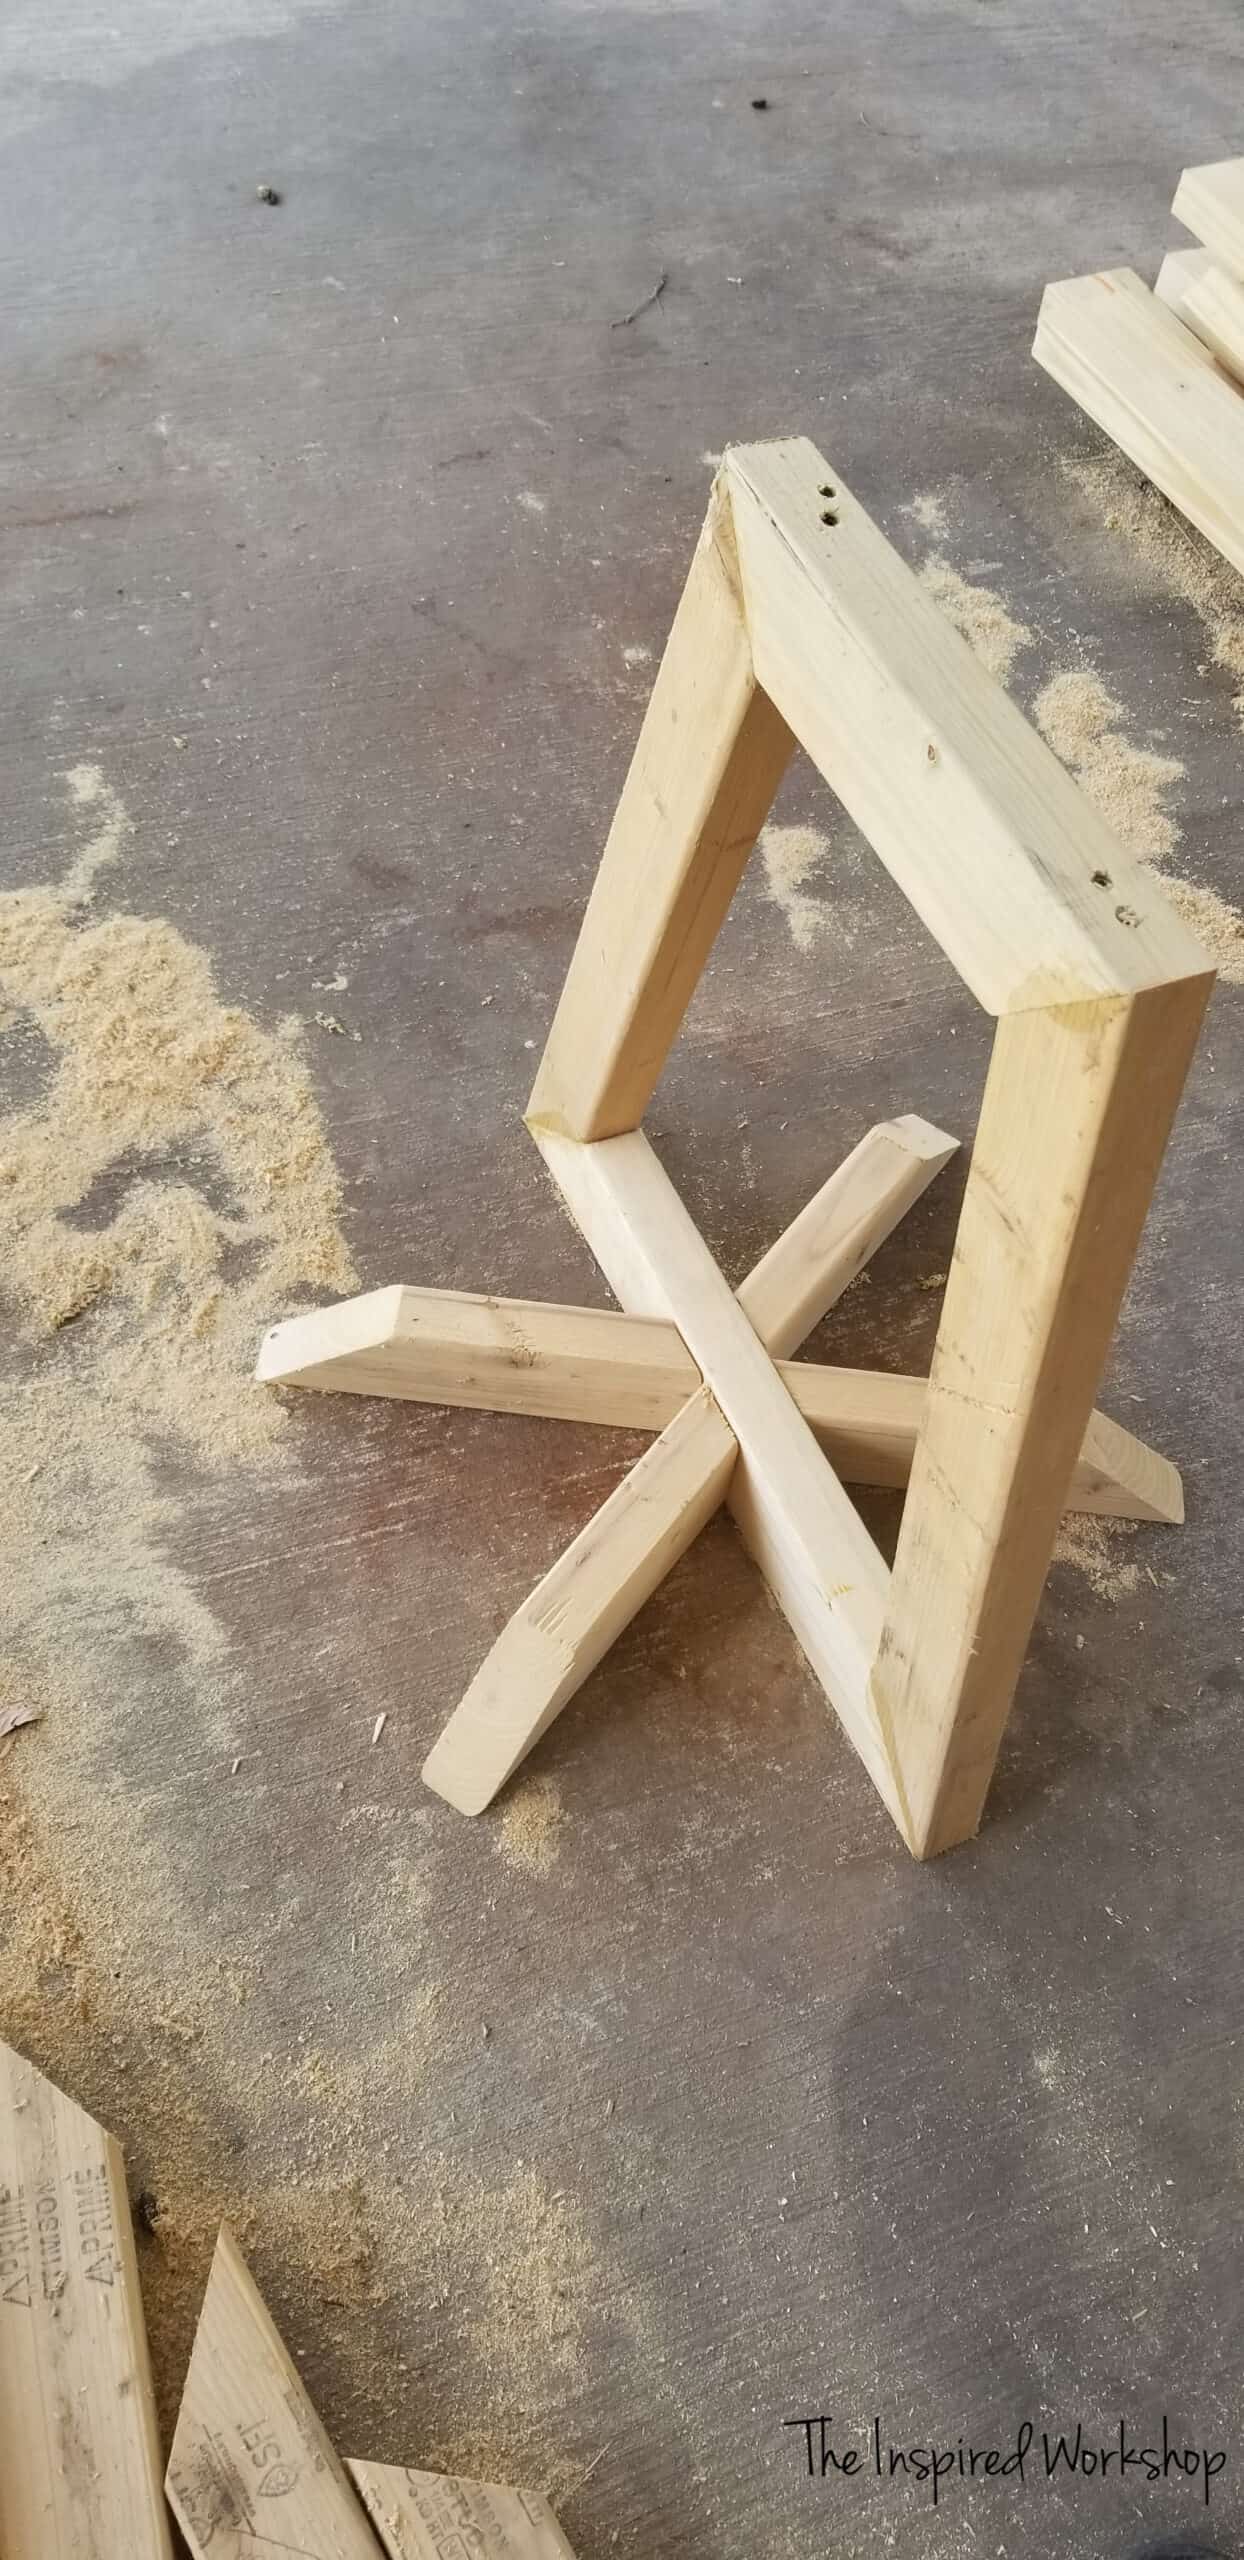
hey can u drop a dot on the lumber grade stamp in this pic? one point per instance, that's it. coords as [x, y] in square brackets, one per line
[421, 2515]
[252, 2472]
[80, 2468]
[799, 625]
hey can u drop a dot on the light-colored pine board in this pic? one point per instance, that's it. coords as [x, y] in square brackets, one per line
[593, 1364]
[1210, 202]
[795, 1516]
[1208, 301]
[1139, 373]
[710, 755]
[527, 1680]
[804, 1274]
[1076, 1111]
[868, 1422]
[547, 1649]
[503, 1355]
[983, 829]
[80, 2470]
[421, 2515]
[252, 2474]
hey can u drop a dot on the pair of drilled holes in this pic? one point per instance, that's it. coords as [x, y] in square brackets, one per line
[829, 515]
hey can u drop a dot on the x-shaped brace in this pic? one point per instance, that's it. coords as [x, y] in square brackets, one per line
[736, 1420]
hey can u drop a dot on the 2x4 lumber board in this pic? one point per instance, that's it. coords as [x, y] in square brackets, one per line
[420, 2515]
[711, 753]
[800, 1525]
[1029, 893]
[501, 1355]
[526, 1680]
[1077, 1107]
[551, 1644]
[1209, 201]
[843, 1225]
[1164, 399]
[592, 1364]
[1208, 301]
[252, 2471]
[80, 2469]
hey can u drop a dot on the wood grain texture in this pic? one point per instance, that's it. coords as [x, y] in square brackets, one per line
[710, 756]
[503, 1355]
[998, 850]
[424, 2515]
[795, 1518]
[1210, 201]
[547, 1649]
[815, 1258]
[80, 2470]
[1134, 368]
[252, 2473]
[1075, 1117]
[560, 1632]
[594, 1364]
[1208, 301]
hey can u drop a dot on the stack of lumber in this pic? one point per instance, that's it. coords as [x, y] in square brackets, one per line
[1163, 372]
[252, 2472]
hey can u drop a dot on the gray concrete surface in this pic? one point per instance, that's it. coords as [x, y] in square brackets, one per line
[365, 499]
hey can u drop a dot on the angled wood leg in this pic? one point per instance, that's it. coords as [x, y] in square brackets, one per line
[1077, 1107]
[592, 1591]
[592, 1364]
[547, 1649]
[709, 758]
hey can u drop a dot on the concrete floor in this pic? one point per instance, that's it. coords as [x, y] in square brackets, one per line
[733, 2114]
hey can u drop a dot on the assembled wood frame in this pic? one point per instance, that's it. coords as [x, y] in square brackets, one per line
[800, 625]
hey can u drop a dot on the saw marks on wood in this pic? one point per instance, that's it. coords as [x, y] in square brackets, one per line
[421, 2516]
[252, 2472]
[79, 2455]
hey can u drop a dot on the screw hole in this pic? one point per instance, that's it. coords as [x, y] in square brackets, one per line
[828, 516]
[1101, 879]
[827, 490]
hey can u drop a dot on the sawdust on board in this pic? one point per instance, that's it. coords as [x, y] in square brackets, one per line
[167, 1191]
[1080, 717]
[531, 1819]
[793, 856]
[984, 620]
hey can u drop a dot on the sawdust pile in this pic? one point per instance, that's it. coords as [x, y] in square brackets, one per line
[1082, 721]
[793, 856]
[531, 1819]
[1177, 554]
[989, 629]
[1097, 1549]
[166, 1190]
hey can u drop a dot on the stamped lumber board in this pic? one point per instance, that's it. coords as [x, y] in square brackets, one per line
[1166, 401]
[80, 2472]
[424, 2515]
[252, 2473]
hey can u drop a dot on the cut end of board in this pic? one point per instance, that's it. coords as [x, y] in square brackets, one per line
[303, 1351]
